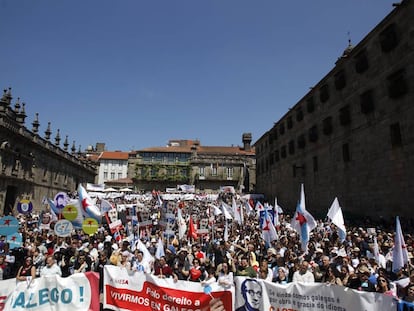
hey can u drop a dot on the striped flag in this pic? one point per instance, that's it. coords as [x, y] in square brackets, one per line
[303, 222]
[269, 233]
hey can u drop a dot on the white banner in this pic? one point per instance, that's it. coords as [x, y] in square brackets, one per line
[52, 293]
[124, 290]
[307, 297]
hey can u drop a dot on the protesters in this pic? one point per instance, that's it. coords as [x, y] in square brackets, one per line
[245, 269]
[27, 271]
[225, 276]
[51, 268]
[303, 274]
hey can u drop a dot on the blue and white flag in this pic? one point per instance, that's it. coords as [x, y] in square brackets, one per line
[303, 222]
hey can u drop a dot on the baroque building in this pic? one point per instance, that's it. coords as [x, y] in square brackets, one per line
[188, 162]
[34, 167]
[352, 135]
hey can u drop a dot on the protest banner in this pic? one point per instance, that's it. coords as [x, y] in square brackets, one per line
[126, 290]
[310, 297]
[51, 293]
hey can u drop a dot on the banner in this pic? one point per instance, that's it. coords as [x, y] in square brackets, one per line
[307, 297]
[125, 290]
[51, 293]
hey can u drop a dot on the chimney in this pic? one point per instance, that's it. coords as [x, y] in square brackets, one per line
[247, 139]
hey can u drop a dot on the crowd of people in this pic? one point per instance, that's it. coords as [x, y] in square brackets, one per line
[215, 256]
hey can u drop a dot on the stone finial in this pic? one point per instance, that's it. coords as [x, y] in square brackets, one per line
[3, 101]
[48, 131]
[73, 147]
[17, 105]
[21, 115]
[8, 96]
[36, 124]
[66, 144]
[57, 138]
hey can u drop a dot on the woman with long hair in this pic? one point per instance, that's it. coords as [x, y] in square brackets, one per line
[383, 286]
[27, 271]
[225, 276]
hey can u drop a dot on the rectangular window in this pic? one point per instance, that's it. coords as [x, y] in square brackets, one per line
[283, 152]
[345, 115]
[105, 175]
[395, 133]
[313, 134]
[201, 170]
[324, 93]
[301, 141]
[229, 172]
[112, 176]
[340, 80]
[119, 175]
[397, 84]
[327, 126]
[154, 172]
[367, 102]
[292, 147]
[315, 163]
[299, 114]
[310, 105]
[289, 122]
[388, 38]
[346, 156]
[282, 128]
[361, 62]
[214, 170]
[277, 156]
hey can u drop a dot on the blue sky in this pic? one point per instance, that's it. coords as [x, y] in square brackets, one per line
[135, 74]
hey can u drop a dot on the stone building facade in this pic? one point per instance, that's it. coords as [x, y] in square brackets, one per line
[352, 135]
[33, 167]
[188, 162]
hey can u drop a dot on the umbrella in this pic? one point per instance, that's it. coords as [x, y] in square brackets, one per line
[110, 190]
[125, 190]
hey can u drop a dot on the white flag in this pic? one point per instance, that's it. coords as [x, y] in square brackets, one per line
[182, 226]
[236, 212]
[399, 252]
[160, 249]
[335, 214]
[225, 208]
[216, 210]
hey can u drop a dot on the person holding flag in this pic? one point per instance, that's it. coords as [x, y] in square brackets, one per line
[399, 252]
[269, 233]
[335, 215]
[303, 222]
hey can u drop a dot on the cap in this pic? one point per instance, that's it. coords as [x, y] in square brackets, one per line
[272, 251]
[356, 249]
[182, 249]
[319, 250]
[171, 248]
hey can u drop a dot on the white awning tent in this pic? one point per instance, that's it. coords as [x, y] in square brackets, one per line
[125, 190]
[110, 190]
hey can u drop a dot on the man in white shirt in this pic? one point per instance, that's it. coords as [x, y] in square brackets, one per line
[51, 267]
[303, 274]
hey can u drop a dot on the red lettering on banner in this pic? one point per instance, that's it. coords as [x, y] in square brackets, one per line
[153, 297]
[2, 302]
